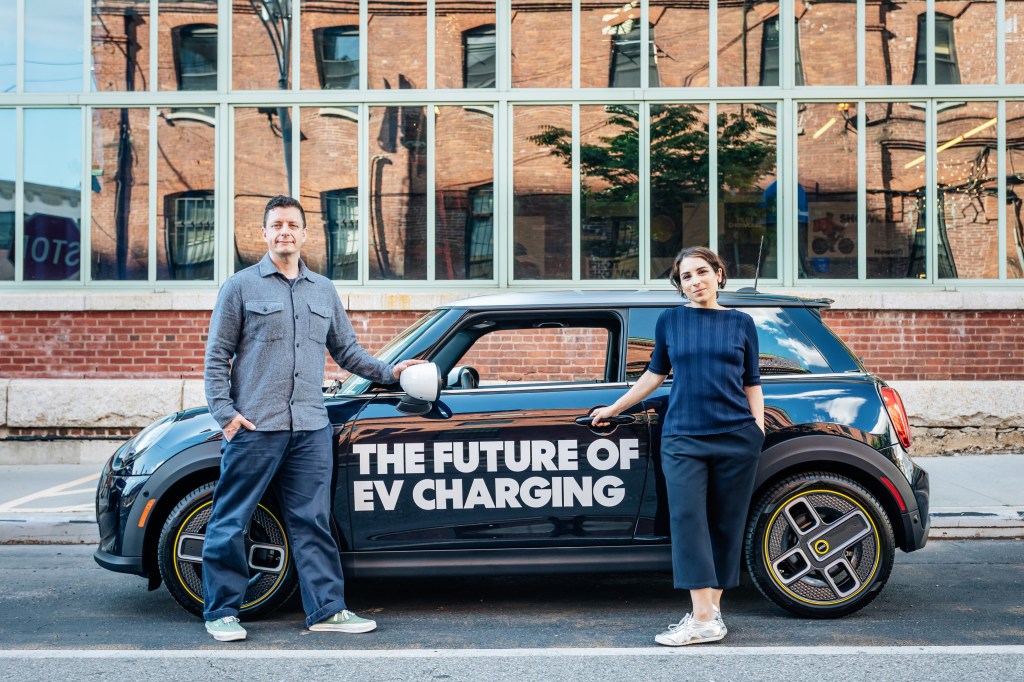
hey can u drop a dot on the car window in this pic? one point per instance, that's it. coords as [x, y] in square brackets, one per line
[783, 347]
[537, 356]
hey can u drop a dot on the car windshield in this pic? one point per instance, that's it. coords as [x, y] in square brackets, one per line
[355, 385]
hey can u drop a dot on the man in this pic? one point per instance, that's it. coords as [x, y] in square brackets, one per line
[264, 371]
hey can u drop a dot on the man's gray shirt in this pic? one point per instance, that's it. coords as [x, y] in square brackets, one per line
[276, 333]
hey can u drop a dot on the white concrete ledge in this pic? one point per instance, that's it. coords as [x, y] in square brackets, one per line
[995, 296]
[993, 404]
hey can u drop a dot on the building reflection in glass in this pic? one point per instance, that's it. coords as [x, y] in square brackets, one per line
[400, 24]
[680, 36]
[545, 63]
[8, 172]
[120, 45]
[1015, 189]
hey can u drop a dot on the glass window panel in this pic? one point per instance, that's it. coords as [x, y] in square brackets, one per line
[890, 46]
[120, 194]
[542, 192]
[53, 198]
[609, 192]
[8, 172]
[681, 34]
[947, 61]
[53, 46]
[261, 45]
[329, 190]
[827, 42]
[744, 49]
[1015, 190]
[398, 193]
[895, 188]
[541, 44]
[610, 49]
[464, 45]
[968, 207]
[8, 47]
[747, 189]
[330, 45]
[1014, 41]
[188, 35]
[679, 182]
[120, 45]
[185, 204]
[464, 182]
[263, 155]
[827, 191]
[972, 45]
[397, 23]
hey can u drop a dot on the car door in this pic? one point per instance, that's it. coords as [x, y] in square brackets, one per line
[500, 460]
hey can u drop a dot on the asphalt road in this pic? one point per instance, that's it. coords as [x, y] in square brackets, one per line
[965, 597]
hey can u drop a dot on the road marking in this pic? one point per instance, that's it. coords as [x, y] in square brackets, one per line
[48, 492]
[1006, 650]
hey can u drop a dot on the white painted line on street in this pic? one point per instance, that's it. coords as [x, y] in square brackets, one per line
[14, 504]
[50, 510]
[262, 654]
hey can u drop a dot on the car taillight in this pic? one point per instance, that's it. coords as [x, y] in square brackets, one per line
[897, 414]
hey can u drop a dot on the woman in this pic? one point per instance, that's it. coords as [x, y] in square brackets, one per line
[711, 437]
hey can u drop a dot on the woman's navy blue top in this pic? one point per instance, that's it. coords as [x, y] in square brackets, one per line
[714, 355]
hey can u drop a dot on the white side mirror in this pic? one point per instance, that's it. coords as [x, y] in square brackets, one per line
[422, 385]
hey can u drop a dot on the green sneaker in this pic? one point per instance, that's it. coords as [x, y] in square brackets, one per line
[344, 621]
[225, 629]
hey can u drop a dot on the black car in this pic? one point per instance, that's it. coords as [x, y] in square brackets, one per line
[503, 474]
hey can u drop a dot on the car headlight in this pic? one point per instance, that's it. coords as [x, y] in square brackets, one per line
[130, 451]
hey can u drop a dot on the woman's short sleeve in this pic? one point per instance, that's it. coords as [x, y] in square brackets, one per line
[660, 363]
[751, 353]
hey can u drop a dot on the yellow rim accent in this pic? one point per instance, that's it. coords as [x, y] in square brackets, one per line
[866, 581]
[199, 599]
[821, 547]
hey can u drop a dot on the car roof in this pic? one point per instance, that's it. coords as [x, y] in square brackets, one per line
[577, 298]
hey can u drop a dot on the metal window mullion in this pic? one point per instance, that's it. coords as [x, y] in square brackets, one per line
[364, 51]
[224, 192]
[862, 195]
[151, 257]
[86, 50]
[431, 39]
[19, 51]
[713, 43]
[644, 172]
[503, 46]
[931, 206]
[296, 188]
[431, 192]
[500, 233]
[1001, 191]
[787, 55]
[645, 37]
[861, 42]
[788, 202]
[1000, 44]
[296, 44]
[713, 189]
[575, 44]
[363, 176]
[930, 33]
[224, 42]
[19, 194]
[576, 212]
[154, 50]
[85, 199]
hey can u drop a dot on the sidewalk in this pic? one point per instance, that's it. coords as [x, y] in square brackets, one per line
[972, 496]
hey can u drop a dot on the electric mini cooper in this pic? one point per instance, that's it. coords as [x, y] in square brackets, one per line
[500, 471]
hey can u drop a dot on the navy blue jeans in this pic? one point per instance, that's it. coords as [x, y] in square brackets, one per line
[298, 463]
[709, 480]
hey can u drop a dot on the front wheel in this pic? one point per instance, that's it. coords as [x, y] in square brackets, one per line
[180, 555]
[819, 545]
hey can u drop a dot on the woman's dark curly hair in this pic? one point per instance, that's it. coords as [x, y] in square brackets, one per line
[703, 253]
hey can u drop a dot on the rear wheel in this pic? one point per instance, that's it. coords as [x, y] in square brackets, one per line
[819, 545]
[180, 555]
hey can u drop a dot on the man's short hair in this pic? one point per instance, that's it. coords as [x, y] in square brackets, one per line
[281, 201]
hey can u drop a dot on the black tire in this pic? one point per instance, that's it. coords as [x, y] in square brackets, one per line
[180, 544]
[819, 545]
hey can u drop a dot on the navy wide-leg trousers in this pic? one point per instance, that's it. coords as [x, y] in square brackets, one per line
[709, 480]
[298, 463]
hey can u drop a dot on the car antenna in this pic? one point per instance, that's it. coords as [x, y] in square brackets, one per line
[757, 269]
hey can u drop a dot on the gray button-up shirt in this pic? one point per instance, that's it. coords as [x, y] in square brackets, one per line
[265, 352]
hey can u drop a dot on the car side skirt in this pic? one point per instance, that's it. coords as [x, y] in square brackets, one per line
[517, 561]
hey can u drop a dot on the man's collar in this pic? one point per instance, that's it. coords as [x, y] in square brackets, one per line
[267, 268]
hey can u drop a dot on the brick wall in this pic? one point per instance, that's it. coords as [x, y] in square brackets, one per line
[898, 345]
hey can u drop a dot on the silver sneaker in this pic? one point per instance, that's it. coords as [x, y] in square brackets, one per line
[718, 619]
[690, 631]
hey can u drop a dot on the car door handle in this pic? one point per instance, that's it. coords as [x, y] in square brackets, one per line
[585, 420]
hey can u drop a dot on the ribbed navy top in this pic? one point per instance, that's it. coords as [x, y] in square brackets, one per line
[714, 355]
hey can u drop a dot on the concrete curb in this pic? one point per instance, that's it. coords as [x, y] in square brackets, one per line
[79, 528]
